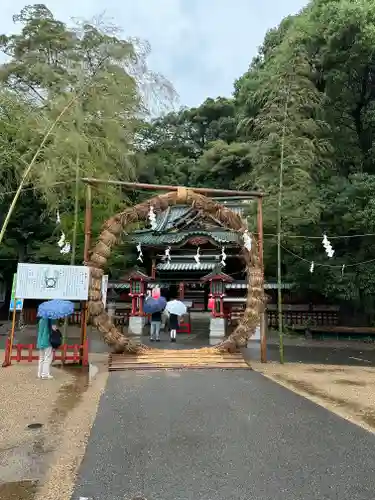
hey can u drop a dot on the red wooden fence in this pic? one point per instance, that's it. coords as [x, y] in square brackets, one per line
[67, 352]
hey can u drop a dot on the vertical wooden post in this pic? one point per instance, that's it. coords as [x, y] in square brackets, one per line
[153, 269]
[84, 306]
[9, 344]
[263, 337]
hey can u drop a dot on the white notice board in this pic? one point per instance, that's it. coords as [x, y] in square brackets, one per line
[49, 281]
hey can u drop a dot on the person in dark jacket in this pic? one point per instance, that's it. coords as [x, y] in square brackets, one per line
[155, 326]
[173, 326]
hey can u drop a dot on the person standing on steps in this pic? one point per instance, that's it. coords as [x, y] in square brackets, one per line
[155, 326]
[176, 309]
[45, 327]
[173, 326]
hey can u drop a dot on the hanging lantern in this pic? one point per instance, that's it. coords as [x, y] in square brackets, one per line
[211, 303]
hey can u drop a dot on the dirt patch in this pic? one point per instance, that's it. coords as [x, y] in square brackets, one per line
[345, 381]
[327, 370]
[348, 391]
[21, 490]
[26, 400]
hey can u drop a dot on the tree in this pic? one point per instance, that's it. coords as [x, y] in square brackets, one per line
[88, 87]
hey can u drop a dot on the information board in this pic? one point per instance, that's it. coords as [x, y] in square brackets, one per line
[19, 302]
[49, 281]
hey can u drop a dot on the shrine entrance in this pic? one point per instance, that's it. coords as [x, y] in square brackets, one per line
[251, 253]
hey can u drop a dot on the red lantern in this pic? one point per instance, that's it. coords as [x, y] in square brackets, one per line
[211, 303]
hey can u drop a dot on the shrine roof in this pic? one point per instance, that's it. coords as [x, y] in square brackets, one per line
[150, 237]
[186, 266]
[168, 218]
[168, 232]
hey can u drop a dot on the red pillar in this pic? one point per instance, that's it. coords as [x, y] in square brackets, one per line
[134, 305]
[221, 307]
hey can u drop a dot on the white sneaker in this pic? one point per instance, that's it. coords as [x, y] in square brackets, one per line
[47, 377]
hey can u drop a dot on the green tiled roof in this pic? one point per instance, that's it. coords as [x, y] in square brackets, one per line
[185, 266]
[167, 219]
[164, 233]
[151, 238]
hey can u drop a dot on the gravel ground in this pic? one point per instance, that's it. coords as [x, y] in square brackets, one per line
[24, 400]
[59, 481]
[66, 407]
[220, 435]
[346, 390]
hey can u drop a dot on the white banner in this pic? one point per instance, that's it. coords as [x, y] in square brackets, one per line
[49, 281]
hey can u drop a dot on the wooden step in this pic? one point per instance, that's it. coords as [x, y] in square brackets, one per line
[177, 359]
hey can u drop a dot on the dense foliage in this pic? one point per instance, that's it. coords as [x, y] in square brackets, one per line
[308, 95]
[311, 92]
[87, 89]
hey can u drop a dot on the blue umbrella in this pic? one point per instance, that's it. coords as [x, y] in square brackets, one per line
[152, 305]
[55, 309]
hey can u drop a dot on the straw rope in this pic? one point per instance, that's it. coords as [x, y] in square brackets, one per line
[111, 234]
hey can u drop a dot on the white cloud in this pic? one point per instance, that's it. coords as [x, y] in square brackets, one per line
[201, 46]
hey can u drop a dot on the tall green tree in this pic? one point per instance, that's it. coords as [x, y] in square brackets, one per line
[101, 84]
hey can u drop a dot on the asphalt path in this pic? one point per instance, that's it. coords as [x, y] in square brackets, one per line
[220, 435]
[310, 354]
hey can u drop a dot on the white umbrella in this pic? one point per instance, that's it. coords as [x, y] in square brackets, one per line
[176, 307]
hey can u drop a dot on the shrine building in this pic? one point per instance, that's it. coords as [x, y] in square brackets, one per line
[191, 256]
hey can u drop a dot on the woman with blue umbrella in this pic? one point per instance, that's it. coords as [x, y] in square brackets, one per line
[49, 336]
[155, 306]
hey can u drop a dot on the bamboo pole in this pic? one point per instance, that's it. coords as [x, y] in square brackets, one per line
[279, 278]
[164, 187]
[74, 239]
[76, 210]
[84, 308]
[263, 336]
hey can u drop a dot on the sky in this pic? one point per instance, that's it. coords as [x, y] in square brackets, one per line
[200, 46]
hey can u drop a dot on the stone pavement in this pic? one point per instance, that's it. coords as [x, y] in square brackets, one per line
[220, 435]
